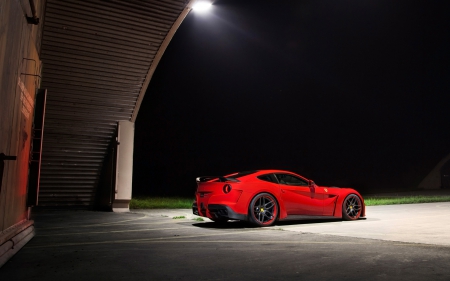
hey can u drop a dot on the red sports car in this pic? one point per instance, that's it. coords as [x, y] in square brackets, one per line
[265, 196]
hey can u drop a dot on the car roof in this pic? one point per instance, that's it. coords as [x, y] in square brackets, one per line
[262, 172]
[273, 171]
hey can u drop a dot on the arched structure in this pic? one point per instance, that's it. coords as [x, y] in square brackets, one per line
[73, 74]
[98, 57]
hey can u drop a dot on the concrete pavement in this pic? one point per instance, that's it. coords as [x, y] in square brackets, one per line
[426, 223]
[153, 245]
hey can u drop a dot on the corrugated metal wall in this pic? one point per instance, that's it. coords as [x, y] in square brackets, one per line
[96, 55]
[19, 70]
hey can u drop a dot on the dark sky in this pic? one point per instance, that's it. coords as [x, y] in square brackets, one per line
[347, 93]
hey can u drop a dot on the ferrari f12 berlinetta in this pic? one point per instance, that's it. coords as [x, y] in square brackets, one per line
[265, 196]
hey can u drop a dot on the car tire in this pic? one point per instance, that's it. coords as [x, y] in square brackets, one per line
[263, 210]
[351, 207]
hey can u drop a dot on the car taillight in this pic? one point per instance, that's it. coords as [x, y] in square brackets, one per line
[226, 188]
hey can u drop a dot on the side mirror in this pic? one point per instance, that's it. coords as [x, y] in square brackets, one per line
[311, 183]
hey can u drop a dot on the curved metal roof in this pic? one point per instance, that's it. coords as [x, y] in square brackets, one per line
[98, 59]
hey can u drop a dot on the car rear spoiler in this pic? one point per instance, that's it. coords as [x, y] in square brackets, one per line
[218, 178]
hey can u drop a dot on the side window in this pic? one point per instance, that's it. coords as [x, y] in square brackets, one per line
[291, 180]
[268, 177]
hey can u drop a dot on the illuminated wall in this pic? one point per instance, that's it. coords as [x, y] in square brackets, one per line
[20, 68]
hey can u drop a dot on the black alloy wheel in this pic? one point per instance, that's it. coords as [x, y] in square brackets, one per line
[351, 208]
[263, 210]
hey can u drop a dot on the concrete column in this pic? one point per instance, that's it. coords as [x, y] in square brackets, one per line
[124, 167]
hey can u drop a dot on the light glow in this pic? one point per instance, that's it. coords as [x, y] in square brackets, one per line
[201, 6]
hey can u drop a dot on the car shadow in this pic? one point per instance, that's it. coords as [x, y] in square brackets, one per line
[307, 221]
[311, 221]
[244, 224]
[226, 225]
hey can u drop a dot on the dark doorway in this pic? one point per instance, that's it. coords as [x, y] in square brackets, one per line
[445, 175]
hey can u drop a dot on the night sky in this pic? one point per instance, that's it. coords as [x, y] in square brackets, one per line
[347, 93]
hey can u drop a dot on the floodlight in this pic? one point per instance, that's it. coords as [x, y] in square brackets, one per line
[201, 6]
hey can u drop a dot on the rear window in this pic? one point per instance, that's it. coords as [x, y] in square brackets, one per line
[268, 177]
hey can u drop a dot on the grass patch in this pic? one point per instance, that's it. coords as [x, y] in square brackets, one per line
[198, 219]
[374, 201]
[161, 203]
[186, 203]
[179, 217]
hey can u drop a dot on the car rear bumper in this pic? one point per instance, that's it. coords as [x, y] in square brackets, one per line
[217, 211]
